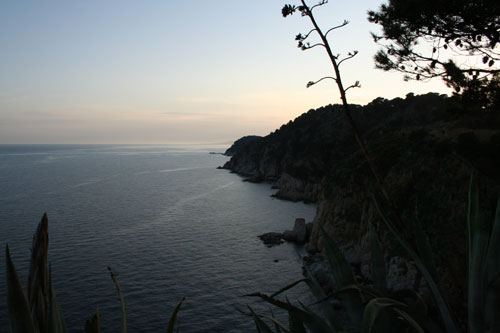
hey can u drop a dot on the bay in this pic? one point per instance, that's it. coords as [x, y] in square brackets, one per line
[169, 222]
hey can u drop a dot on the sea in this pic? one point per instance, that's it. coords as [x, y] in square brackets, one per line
[164, 218]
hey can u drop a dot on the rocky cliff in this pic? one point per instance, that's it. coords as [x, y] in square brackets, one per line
[297, 157]
[426, 156]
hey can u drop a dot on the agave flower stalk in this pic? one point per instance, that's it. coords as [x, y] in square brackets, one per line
[336, 62]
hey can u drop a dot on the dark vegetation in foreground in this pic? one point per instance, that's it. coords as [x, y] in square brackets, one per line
[372, 307]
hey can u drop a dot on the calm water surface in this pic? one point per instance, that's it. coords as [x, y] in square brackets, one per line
[163, 217]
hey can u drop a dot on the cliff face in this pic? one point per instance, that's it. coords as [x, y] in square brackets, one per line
[426, 157]
[298, 156]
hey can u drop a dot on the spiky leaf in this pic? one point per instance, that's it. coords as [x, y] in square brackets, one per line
[290, 286]
[478, 238]
[173, 318]
[332, 316]
[378, 262]
[259, 323]
[423, 246]
[409, 319]
[296, 324]
[376, 306]
[275, 321]
[20, 320]
[93, 325]
[56, 319]
[433, 284]
[309, 319]
[492, 307]
[342, 272]
[39, 275]
[343, 276]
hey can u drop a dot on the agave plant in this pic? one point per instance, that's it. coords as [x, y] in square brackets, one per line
[373, 309]
[483, 248]
[483, 266]
[364, 308]
[40, 312]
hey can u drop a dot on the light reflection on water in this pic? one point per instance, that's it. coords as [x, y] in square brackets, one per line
[189, 232]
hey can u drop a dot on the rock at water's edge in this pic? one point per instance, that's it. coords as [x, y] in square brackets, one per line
[290, 236]
[301, 230]
[272, 238]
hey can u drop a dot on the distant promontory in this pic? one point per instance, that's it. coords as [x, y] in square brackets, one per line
[239, 144]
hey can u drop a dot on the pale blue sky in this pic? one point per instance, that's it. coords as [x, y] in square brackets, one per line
[189, 71]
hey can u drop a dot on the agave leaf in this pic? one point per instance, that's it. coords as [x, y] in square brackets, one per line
[493, 258]
[39, 275]
[309, 319]
[378, 262]
[444, 310]
[414, 302]
[259, 323]
[423, 247]
[93, 325]
[291, 285]
[56, 319]
[275, 321]
[296, 324]
[374, 308]
[171, 322]
[332, 316]
[365, 292]
[277, 324]
[492, 306]
[342, 272]
[318, 318]
[343, 276]
[19, 311]
[409, 320]
[114, 277]
[478, 239]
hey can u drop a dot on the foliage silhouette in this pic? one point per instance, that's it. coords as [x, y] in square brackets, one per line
[460, 44]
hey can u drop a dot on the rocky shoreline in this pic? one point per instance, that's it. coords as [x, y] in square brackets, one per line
[425, 155]
[299, 234]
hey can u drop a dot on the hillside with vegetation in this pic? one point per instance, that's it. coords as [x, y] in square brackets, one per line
[425, 150]
[240, 144]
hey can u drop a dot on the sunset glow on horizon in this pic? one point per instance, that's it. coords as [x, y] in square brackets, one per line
[174, 72]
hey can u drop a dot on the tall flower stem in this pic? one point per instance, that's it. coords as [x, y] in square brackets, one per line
[347, 112]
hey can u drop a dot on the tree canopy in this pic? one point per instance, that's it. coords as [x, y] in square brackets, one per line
[457, 40]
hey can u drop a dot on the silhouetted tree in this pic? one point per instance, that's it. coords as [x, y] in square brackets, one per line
[456, 40]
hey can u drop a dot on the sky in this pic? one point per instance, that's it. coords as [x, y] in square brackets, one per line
[192, 71]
